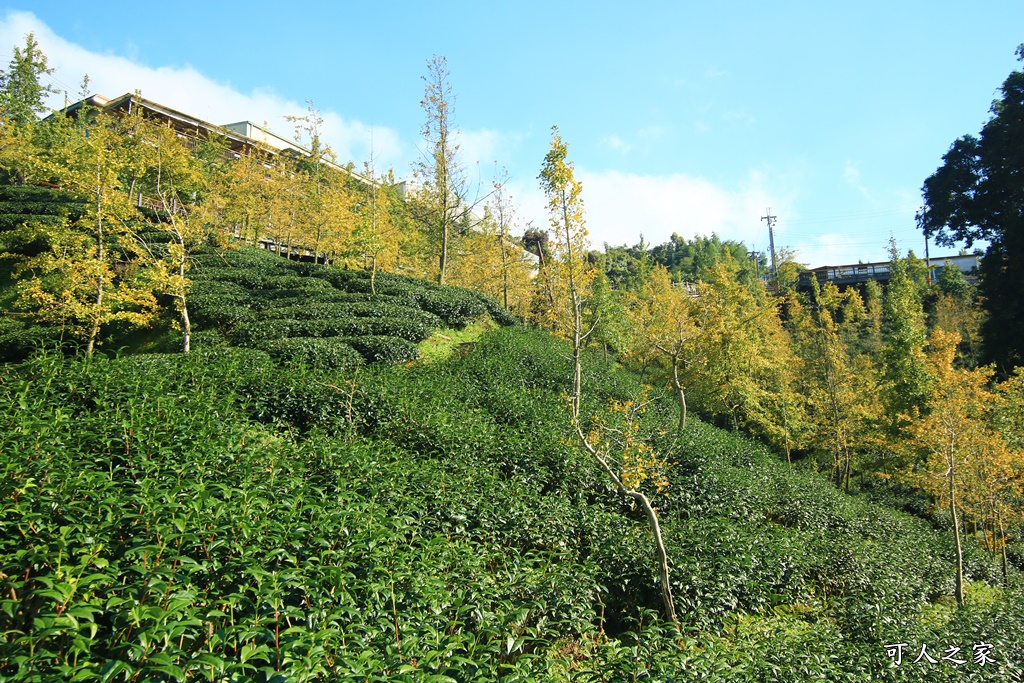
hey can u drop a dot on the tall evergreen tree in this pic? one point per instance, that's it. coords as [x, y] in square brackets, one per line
[904, 370]
[978, 194]
[22, 94]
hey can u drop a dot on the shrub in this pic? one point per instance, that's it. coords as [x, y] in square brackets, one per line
[223, 311]
[319, 354]
[497, 312]
[456, 307]
[384, 350]
[208, 339]
[19, 340]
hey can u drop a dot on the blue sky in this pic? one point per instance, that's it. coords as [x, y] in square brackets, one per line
[680, 117]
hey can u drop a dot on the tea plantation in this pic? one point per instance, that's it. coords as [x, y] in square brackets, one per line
[278, 507]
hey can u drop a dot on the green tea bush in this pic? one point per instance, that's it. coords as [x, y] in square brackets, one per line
[320, 354]
[258, 332]
[19, 340]
[498, 313]
[218, 516]
[208, 339]
[288, 298]
[342, 279]
[222, 311]
[456, 307]
[306, 284]
[384, 350]
[257, 300]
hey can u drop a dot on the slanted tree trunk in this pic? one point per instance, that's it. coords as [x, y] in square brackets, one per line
[186, 323]
[186, 326]
[659, 544]
[652, 518]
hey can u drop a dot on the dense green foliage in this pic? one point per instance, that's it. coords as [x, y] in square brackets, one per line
[323, 316]
[977, 195]
[217, 517]
[21, 93]
[326, 317]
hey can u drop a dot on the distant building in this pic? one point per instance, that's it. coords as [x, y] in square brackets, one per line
[185, 125]
[409, 188]
[241, 137]
[860, 273]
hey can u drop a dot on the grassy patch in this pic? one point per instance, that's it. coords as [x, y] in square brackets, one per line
[443, 343]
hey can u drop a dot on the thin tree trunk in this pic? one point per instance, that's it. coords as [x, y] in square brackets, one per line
[186, 323]
[577, 375]
[504, 269]
[1002, 544]
[652, 518]
[95, 328]
[682, 394]
[785, 423]
[186, 326]
[956, 532]
[444, 252]
[663, 573]
[846, 474]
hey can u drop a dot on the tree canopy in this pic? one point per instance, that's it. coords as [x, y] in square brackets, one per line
[21, 93]
[978, 194]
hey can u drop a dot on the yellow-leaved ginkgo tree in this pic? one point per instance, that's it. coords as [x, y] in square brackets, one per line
[613, 437]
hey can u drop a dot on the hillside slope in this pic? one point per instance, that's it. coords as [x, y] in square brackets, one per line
[298, 312]
[219, 517]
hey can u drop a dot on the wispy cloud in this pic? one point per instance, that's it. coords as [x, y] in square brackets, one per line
[617, 144]
[741, 117]
[185, 89]
[831, 249]
[652, 133]
[851, 174]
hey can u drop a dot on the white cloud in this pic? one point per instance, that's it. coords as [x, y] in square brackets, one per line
[482, 152]
[851, 174]
[714, 73]
[620, 206]
[615, 143]
[743, 118]
[654, 132]
[185, 89]
[831, 249]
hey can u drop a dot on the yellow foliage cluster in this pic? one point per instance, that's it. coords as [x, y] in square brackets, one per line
[617, 434]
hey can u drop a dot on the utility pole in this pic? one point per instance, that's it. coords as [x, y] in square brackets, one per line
[771, 241]
[928, 262]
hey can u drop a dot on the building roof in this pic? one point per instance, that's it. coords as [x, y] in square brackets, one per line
[241, 137]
